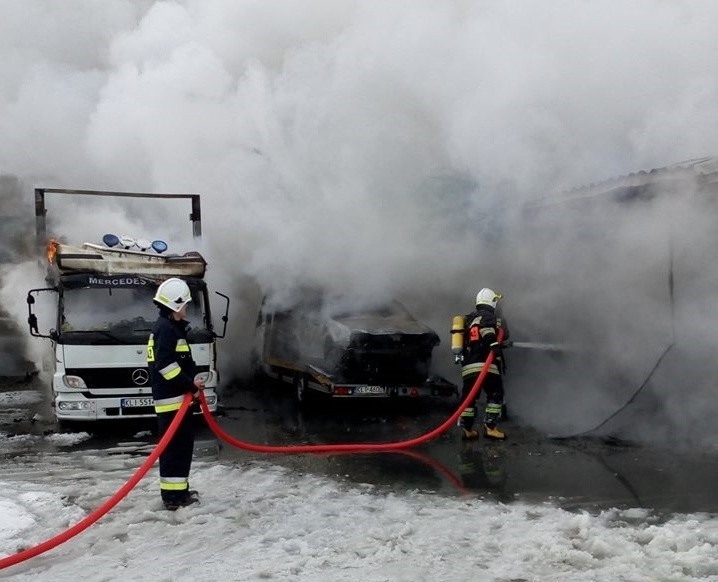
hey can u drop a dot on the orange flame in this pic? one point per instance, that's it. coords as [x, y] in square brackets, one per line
[51, 250]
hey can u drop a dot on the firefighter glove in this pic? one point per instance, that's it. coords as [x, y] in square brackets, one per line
[197, 386]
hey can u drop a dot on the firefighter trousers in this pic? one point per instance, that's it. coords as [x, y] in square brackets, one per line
[176, 459]
[493, 387]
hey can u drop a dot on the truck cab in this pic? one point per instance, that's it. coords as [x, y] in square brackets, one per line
[100, 316]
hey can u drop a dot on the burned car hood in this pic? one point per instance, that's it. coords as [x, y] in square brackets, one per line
[378, 325]
[353, 342]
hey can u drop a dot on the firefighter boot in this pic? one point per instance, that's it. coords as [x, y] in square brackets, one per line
[491, 418]
[493, 432]
[175, 503]
[466, 424]
[469, 434]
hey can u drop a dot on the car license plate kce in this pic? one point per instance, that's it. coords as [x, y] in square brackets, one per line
[370, 390]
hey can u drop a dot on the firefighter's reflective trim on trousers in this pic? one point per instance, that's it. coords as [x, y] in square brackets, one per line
[476, 369]
[174, 483]
[168, 404]
[170, 371]
[182, 346]
[151, 348]
[468, 412]
[493, 408]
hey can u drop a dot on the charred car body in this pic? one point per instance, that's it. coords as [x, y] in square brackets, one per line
[329, 345]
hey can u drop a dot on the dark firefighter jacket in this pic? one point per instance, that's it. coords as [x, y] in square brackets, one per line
[170, 363]
[482, 326]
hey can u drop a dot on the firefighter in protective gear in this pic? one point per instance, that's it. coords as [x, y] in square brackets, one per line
[172, 373]
[480, 339]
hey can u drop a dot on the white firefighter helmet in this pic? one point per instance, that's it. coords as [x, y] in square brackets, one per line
[487, 297]
[173, 293]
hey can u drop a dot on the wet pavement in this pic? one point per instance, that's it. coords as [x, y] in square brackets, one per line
[585, 473]
[582, 473]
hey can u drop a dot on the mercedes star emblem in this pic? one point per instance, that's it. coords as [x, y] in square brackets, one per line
[140, 376]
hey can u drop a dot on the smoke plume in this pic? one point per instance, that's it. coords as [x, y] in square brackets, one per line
[395, 149]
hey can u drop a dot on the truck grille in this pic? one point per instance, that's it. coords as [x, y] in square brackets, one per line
[113, 377]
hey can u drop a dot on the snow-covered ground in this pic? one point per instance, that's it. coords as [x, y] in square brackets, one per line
[261, 521]
[19, 397]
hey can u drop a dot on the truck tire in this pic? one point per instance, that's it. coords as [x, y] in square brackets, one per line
[71, 426]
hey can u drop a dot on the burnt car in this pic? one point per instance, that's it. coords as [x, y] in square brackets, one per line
[346, 347]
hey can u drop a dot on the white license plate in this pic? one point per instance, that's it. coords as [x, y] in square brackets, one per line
[136, 402]
[374, 390]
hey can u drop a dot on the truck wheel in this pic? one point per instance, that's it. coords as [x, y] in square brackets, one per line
[68, 425]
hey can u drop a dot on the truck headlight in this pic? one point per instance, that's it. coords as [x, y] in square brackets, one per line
[74, 405]
[73, 382]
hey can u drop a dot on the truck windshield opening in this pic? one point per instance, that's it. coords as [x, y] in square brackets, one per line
[115, 315]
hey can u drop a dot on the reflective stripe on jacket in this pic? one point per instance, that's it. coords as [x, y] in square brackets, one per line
[482, 327]
[170, 362]
[168, 404]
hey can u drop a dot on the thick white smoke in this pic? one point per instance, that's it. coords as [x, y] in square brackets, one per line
[362, 145]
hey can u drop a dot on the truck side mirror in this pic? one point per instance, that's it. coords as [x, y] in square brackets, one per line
[32, 318]
[225, 317]
[32, 322]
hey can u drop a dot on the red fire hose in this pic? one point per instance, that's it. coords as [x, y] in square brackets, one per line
[354, 447]
[363, 447]
[107, 505]
[122, 492]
